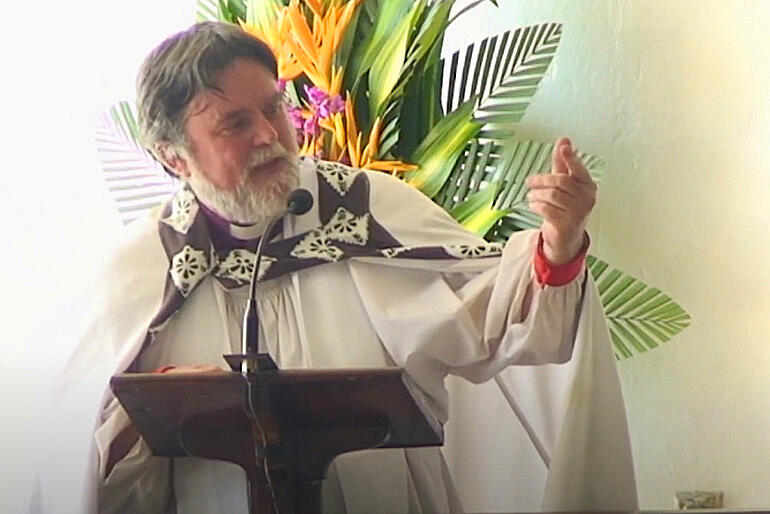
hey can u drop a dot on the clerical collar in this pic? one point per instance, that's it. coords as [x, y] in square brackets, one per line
[227, 235]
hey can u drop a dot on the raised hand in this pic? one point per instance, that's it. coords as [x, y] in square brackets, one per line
[564, 198]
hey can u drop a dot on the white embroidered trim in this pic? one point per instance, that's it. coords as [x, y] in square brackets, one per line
[481, 250]
[188, 267]
[339, 176]
[239, 266]
[394, 252]
[316, 245]
[347, 227]
[183, 211]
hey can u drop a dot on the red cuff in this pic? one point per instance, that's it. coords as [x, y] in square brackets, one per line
[163, 369]
[550, 275]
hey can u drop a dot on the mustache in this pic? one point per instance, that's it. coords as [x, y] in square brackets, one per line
[267, 154]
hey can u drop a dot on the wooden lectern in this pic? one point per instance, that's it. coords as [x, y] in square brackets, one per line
[283, 427]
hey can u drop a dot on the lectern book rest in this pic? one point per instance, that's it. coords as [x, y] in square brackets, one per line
[283, 427]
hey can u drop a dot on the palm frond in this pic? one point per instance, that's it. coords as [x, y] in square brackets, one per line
[504, 71]
[516, 220]
[640, 317]
[475, 165]
[206, 10]
[135, 180]
[477, 213]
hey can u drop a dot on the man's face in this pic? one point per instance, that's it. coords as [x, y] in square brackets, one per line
[240, 140]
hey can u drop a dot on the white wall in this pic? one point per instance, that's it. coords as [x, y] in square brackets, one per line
[675, 96]
[672, 94]
[63, 62]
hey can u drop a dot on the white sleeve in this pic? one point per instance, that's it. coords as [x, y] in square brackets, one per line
[521, 322]
[434, 323]
[139, 482]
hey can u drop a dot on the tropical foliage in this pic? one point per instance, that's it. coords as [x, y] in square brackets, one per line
[367, 86]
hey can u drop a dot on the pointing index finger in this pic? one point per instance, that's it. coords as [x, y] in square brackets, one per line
[557, 160]
[575, 167]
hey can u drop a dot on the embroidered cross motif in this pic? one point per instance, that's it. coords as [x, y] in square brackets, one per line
[184, 208]
[347, 227]
[316, 245]
[188, 267]
[337, 175]
[238, 266]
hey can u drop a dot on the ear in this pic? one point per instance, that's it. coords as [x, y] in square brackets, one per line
[173, 159]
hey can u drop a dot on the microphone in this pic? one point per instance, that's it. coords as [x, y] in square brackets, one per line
[300, 201]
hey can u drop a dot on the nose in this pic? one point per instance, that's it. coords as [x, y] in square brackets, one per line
[264, 132]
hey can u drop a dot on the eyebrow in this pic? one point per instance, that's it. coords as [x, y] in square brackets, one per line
[276, 98]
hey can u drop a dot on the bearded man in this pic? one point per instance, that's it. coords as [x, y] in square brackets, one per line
[373, 275]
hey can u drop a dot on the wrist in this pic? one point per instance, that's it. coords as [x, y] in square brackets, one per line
[563, 251]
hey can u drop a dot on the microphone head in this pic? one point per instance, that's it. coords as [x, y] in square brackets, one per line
[300, 201]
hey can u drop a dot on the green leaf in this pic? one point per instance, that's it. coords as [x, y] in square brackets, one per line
[345, 49]
[420, 108]
[386, 67]
[476, 212]
[377, 22]
[439, 150]
[640, 317]
[429, 33]
[428, 26]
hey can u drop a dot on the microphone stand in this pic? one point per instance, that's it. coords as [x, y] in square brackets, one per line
[250, 333]
[250, 360]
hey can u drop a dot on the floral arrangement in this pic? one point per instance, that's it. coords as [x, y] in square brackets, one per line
[325, 122]
[367, 86]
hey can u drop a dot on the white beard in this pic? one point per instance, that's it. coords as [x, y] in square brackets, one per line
[247, 204]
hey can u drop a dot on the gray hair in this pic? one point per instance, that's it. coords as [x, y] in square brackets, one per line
[182, 66]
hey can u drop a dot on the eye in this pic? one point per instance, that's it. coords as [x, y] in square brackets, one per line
[237, 125]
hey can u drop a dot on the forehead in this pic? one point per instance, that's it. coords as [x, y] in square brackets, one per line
[244, 83]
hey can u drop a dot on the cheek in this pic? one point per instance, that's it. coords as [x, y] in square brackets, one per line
[287, 135]
[223, 165]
